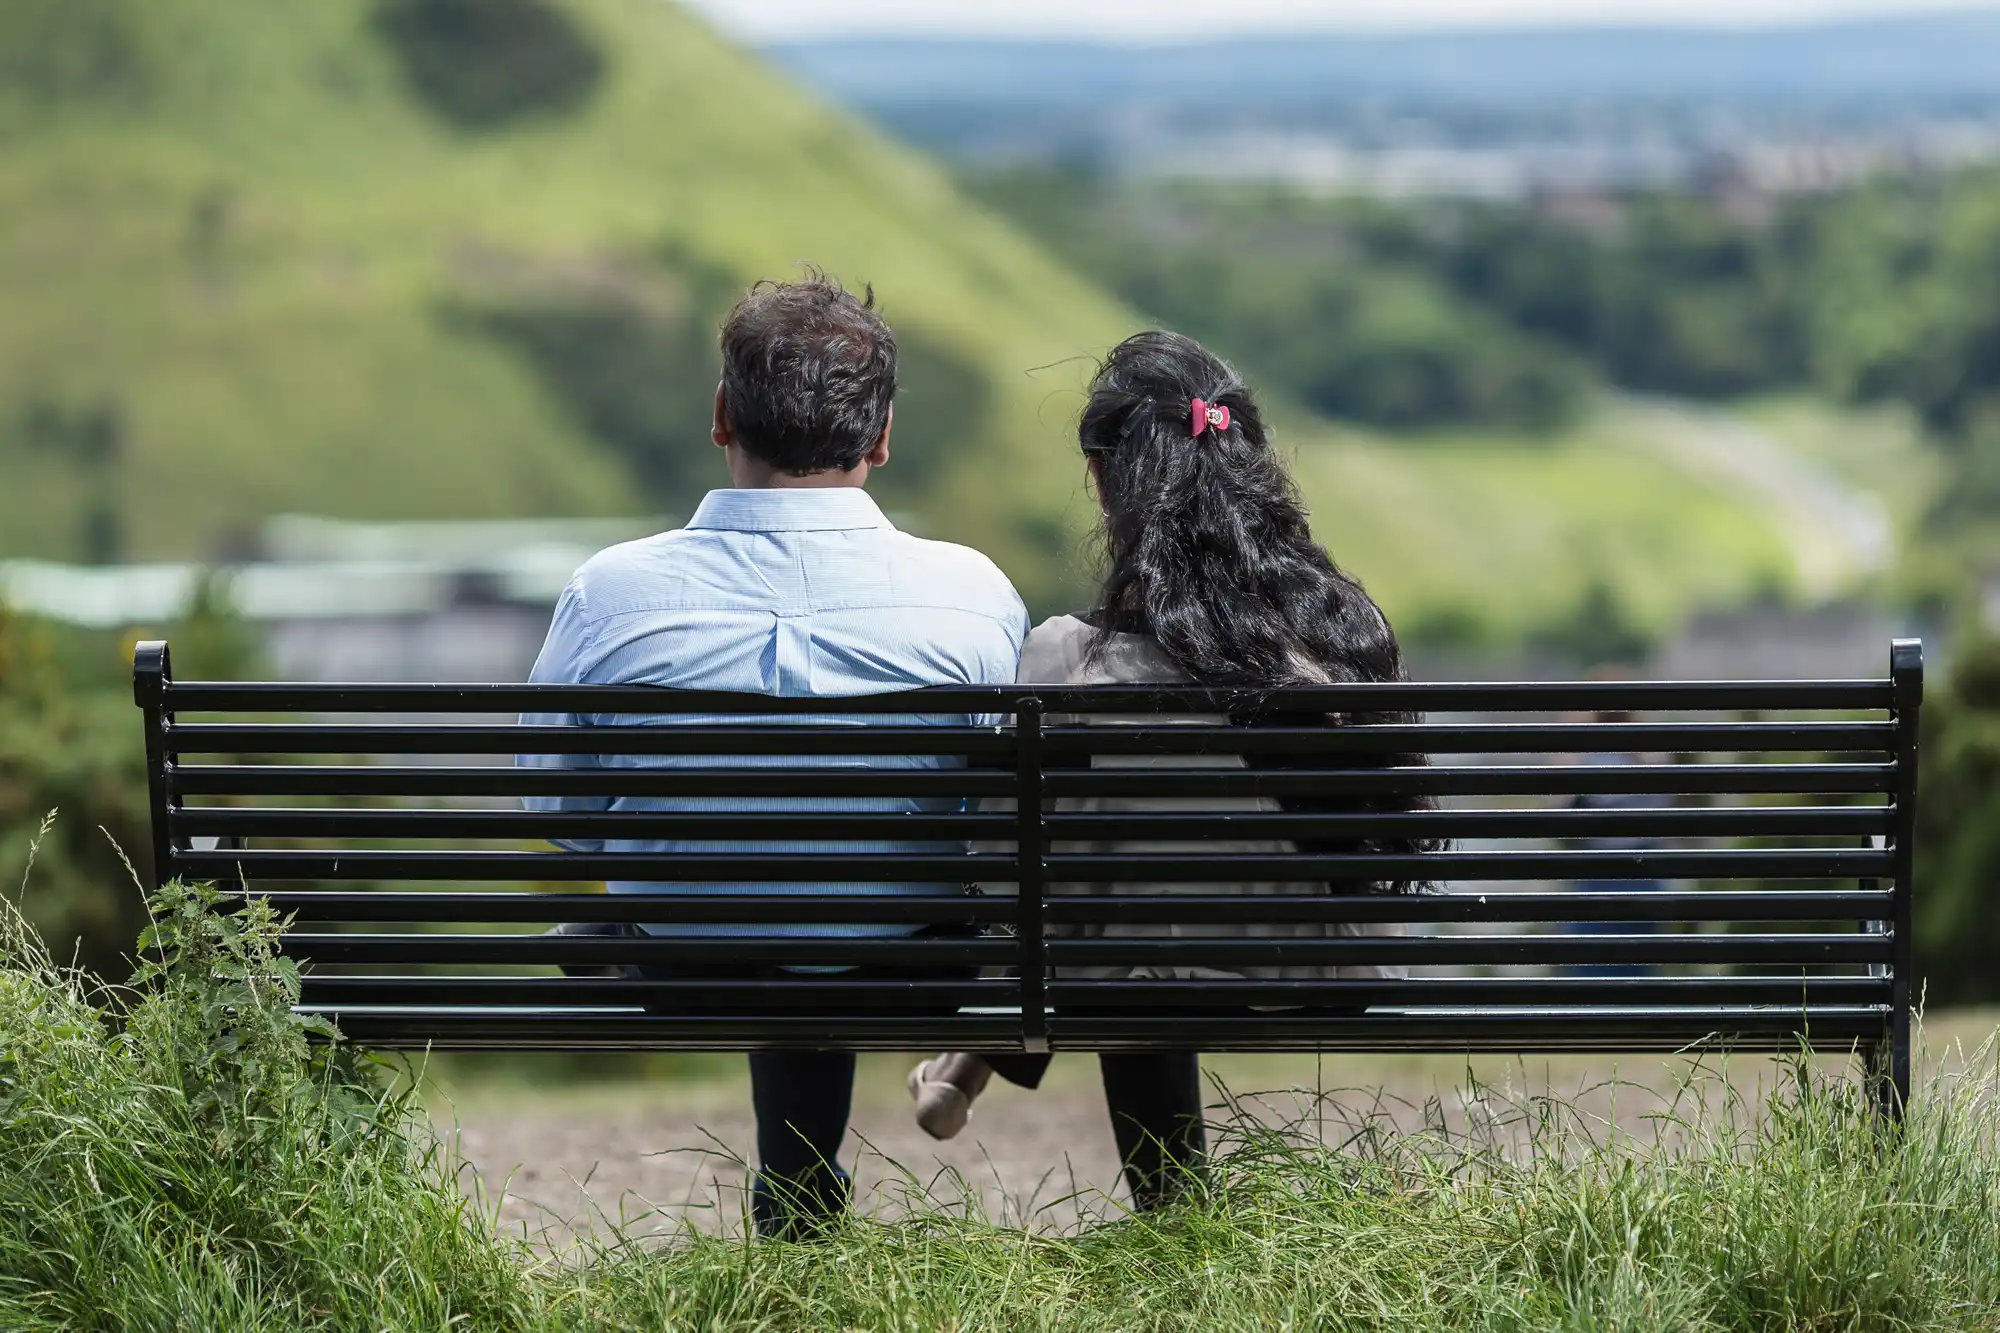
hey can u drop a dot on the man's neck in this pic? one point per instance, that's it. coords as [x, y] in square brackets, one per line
[750, 474]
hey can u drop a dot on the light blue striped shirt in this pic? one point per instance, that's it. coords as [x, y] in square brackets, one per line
[791, 592]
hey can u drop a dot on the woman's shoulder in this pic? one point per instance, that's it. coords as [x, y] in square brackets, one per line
[1056, 650]
[1053, 652]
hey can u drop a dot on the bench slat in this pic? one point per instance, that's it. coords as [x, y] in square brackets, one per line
[1808, 950]
[838, 783]
[1811, 950]
[466, 905]
[1479, 780]
[1742, 1029]
[918, 868]
[833, 992]
[1500, 866]
[551, 950]
[410, 738]
[1477, 738]
[365, 780]
[528, 867]
[1494, 697]
[1694, 822]
[854, 739]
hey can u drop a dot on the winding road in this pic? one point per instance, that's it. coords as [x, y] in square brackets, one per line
[1839, 533]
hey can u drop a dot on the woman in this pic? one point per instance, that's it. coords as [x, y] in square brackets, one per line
[1214, 578]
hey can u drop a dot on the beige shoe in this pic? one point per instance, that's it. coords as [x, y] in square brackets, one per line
[944, 1089]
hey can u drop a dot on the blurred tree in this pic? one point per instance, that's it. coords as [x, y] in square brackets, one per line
[628, 350]
[1908, 305]
[944, 404]
[212, 642]
[1973, 498]
[1408, 315]
[1675, 297]
[66, 51]
[1597, 632]
[482, 64]
[70, 742]
[1314, 299]
[90, 439]
[1958, 833]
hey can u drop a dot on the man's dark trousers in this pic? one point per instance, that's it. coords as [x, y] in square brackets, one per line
[802, 1099]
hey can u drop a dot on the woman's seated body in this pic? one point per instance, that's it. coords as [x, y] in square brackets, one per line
[1213, 579]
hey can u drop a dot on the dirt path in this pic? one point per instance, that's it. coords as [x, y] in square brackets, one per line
[654, 1162]
[1838, 532]
[654, 1158]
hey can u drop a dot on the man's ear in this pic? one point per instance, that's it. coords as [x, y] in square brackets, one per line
[879, 455]
[719, 430]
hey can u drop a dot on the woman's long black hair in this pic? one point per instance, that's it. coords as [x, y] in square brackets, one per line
[1210, 552]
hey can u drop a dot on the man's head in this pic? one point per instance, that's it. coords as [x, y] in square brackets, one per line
[808, 377]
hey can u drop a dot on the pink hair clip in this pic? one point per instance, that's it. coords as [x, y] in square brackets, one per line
[1206, 416]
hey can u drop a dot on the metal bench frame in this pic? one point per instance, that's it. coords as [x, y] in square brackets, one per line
[1838, 977]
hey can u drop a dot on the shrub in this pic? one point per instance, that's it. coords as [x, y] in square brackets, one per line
[482, 64]
[1958, 831]
[59, 53]
[70, 740]
[186, 1158]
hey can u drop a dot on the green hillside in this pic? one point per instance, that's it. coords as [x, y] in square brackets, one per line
[253, 262]
[463, 258]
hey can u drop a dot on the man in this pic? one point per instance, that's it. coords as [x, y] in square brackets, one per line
[789, 583]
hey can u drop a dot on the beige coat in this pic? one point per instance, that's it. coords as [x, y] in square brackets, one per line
[1053, 655]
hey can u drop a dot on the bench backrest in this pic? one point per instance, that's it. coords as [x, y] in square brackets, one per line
[1754, 887]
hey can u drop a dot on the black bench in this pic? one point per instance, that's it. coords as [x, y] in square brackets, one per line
[1782, 821]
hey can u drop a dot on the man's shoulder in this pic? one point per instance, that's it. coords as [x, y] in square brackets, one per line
[639, 553]
[960, 572]
[629, 569]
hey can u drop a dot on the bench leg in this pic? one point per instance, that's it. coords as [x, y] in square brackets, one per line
[1889, 1073]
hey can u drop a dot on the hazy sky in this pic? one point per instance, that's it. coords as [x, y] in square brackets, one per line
[1154, 20]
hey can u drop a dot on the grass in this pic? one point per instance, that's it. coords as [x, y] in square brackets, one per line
[200, 1163]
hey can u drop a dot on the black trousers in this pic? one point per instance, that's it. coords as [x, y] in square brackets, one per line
[802, 1099]
[1155, 1102]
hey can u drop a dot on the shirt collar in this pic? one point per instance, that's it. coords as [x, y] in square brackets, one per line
[790, 509]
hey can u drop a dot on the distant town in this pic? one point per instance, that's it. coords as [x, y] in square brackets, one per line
[1502, 115]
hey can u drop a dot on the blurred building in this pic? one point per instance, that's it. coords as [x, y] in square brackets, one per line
[1842, 640]
[332, 600]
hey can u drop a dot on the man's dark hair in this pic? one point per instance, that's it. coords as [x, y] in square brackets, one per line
[808, 373]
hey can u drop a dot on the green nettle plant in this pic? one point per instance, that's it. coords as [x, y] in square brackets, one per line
[190, 1153]
[217, 1025]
